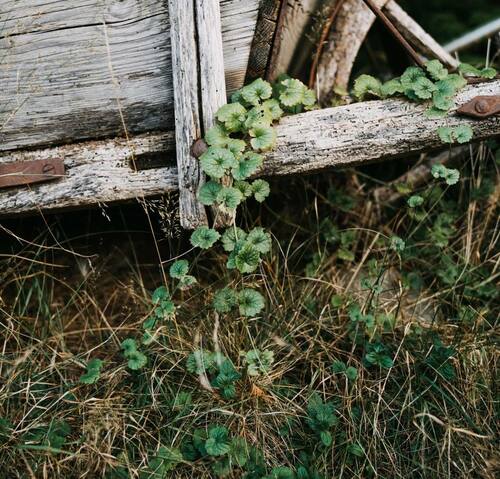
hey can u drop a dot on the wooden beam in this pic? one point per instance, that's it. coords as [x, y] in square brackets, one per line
[340, 137]
[73, 70]
[185, 73]
[213, 86]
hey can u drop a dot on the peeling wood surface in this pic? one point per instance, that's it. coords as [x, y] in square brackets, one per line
[331, 138]
[187, 101]
[96, 172]
[70, 69]
[367, 131]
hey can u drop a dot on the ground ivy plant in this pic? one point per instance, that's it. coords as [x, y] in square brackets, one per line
[236, 145]
[433, 85]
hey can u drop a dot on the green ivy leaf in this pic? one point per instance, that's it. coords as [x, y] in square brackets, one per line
[136, 360]
[261, 190]
[469, 70]
[423, 88]
[199, 362]
[445, 134]
[248, 164]
[231, 236]
[229, 197]
[187, 282]
[309, 100]
[245, 187]
[436, 70]
[257, 90]
[250, 302]
[463, 133]
[215, 161]
[397, 244]
[160, 294]
[366, 85]
[236, 147]
[204, 237]
[208, 192]
[415, 201]
[442, 102]
[129, 346]
[458, 81]
[410, 76]
[258, 115]
[179, 269]
[247, 259]
[273, 107]
[232, 116]
[282, 473]
[217, 443]
[260, 240]
[93, 372]
[264, 138]
[292, 93]
[225, 300]
[391, 88]
[217, 136]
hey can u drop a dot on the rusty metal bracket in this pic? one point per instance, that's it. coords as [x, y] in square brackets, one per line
[28, 172]
[481, 107]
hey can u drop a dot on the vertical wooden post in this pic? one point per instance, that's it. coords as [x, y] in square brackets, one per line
[212, 77]
[185, 71]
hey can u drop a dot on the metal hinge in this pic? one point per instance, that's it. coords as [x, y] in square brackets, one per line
[28, 172]
[481, 107]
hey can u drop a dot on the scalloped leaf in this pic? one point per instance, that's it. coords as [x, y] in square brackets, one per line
[261, 190]
[410, 76]
[273, 107]
[257, 90]
[423, 88]
[236, 146]
[225, 300]
[250, 302]
[436, 70]
[247, 259]
[258, 116]
[366, 85]
[458, 81]
[215, 161]
[445, 134]
[231, 236]
[245, 187]
[391, 88]
[229, 197]
[433, 113]
[208, 193]
[136, 360]
[264, 138]
[415, 201]
[260, 240]
[292, 93]
[204, 237]
[232, 116]
[463, 133]
[179, 269]
[248, 164]
[93, 372]
[217, 136]
[442, 102]
[187, 282]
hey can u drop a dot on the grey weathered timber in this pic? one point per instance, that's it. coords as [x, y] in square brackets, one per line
[185, 73]
[417, 36]
[346, 37]
[263, 39]
[97, 172]
[74, 70]
[331, 138]
[211, 61]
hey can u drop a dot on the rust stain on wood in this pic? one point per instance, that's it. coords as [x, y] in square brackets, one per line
[28, 172]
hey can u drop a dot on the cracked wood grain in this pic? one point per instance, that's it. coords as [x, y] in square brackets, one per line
[56, 67]
[337, 137]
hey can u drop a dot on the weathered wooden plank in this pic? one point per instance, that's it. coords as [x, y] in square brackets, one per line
[97, 172]
[185, 73]
[331, 138]
[73, 70]
[213, 88]
[351, 27]
[366, 132]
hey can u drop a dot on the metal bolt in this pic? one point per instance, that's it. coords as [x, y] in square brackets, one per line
[482, 106]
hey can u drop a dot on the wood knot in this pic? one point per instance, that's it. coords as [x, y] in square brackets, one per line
[198, 148]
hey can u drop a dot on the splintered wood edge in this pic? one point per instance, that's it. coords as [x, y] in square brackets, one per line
[344, 136]
[185, 66]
